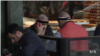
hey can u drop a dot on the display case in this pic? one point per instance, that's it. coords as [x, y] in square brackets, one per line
[93, 14]
[89, 20]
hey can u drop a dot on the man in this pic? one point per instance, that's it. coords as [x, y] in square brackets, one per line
[29, 42]
[41, 26]
[69, 29]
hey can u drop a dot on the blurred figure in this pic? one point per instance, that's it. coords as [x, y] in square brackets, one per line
[41, 26]
[69, 29]
[97, 30]
[29, 42]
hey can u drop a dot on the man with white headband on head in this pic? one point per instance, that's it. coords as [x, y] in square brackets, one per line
[41, 27]
[69, 29]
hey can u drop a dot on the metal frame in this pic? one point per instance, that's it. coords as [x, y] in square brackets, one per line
[7, 19]
[71, 7]
[63, 44]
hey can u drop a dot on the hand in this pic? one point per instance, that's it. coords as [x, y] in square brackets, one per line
[9, 55]
[39, 29]
[43, 32]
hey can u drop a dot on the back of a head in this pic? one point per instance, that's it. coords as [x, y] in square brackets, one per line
[13, 28]
[42, 17]
[64, 15]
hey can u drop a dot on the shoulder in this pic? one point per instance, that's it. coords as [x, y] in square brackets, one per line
[32, 27]
[79, 26]
[33, 38]
[98, 25]
[30, 34]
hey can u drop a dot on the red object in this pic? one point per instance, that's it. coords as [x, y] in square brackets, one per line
[37, 23]
[64, 3]
[72, 30]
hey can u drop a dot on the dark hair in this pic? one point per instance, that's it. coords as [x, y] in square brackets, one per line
[13, 28]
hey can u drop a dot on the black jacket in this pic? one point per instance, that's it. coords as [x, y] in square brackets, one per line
[48, 31]
[97, 31]
[30, 45]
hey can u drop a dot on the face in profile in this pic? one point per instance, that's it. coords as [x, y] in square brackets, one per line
[14, 37]
[44, 25]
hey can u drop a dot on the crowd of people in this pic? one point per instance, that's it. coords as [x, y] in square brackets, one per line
[31, 45]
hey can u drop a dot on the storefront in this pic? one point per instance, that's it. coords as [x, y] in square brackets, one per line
[80, 17]
[25, 14]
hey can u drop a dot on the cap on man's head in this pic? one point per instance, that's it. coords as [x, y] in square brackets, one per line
[64, 16]
[42, 16]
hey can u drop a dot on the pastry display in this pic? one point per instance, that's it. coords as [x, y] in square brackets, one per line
[92, 15]
[80, 20]
[89, 25]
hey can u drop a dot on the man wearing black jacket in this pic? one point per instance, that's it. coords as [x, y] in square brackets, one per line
[41, 26]
[29, 42]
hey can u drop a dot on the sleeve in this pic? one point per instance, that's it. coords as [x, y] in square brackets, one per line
[97, 31]
[28, 50]
[49, 31]
[58, 35]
